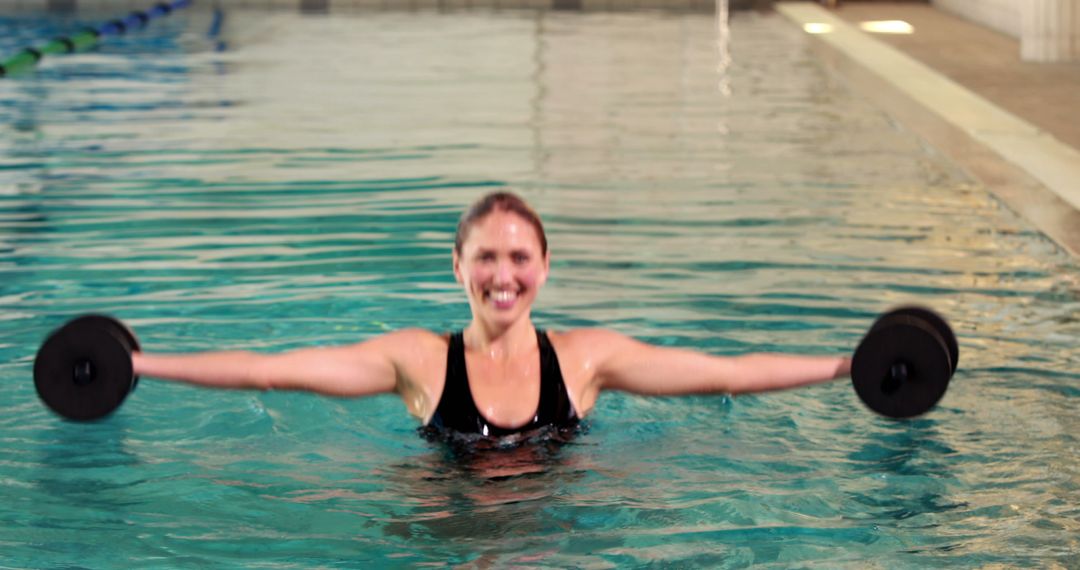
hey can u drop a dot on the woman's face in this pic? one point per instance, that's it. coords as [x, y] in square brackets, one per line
[502, 267]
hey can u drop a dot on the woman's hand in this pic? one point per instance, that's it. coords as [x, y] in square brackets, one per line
[844, 368]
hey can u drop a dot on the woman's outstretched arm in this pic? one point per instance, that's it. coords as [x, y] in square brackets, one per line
[363, 369]
[633, 366]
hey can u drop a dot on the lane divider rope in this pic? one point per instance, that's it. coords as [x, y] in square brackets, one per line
[88, 37]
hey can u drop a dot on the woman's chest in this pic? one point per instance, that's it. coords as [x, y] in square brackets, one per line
[506, 392]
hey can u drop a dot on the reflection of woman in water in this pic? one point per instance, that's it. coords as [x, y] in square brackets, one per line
[500, 376]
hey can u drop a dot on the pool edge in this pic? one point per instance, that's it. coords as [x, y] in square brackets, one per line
[1024, 167]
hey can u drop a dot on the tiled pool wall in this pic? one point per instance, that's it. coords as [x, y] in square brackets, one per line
[349, 5]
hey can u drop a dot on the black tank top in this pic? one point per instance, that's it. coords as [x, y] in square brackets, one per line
[457, 411]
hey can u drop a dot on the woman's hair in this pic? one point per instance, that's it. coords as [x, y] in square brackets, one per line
[502, 202]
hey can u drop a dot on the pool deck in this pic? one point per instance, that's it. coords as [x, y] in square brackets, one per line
[1014, 126]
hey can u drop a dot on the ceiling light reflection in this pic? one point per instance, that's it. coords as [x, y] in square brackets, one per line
[817, 28]
[888, 27]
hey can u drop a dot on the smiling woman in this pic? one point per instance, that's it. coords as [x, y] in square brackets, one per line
[507, 262]
[500, 377]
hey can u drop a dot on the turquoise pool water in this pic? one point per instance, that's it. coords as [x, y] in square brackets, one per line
[301, 186]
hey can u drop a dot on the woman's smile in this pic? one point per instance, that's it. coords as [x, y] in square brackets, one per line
[502, 299]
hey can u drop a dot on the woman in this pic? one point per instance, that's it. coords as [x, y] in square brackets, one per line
[499, 376]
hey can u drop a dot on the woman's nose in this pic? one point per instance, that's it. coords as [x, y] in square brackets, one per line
[504, 272]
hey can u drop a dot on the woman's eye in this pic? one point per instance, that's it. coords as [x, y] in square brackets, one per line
[520, 258]
[487, 256]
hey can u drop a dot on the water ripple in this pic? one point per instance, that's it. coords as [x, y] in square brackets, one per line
[761, 207]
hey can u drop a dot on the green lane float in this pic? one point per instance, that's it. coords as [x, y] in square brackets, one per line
[85, 39]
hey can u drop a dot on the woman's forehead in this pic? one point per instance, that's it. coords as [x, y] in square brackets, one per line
[502, 228]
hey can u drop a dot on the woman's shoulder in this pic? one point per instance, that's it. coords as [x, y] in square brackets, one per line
[413, 339]
[587, 340]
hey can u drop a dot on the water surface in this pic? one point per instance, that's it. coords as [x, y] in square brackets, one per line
[296, 181]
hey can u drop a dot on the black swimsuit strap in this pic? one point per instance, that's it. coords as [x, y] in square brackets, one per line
[457, 410]
[456, 405]
[555, 406]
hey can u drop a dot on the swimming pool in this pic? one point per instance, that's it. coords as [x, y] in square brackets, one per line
[301, 187]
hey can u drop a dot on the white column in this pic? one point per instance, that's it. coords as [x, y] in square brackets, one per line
[1050, 30]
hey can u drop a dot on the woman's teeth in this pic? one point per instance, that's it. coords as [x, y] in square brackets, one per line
[503, 298]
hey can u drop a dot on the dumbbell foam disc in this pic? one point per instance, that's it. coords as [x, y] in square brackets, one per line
[99, 341]
[908, 340]
[935, 320]
[118, 329]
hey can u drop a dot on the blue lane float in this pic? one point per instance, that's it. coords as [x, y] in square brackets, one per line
[88, 37]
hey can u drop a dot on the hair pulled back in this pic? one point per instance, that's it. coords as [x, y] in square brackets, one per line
[502, 202]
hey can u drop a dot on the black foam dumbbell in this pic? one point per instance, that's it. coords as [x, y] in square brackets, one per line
[903, 365]
[83, 370]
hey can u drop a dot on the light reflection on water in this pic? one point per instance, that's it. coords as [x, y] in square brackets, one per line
[303, 187]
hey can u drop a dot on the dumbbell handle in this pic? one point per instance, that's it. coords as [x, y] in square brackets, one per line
[898, 374]
[83, 373]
